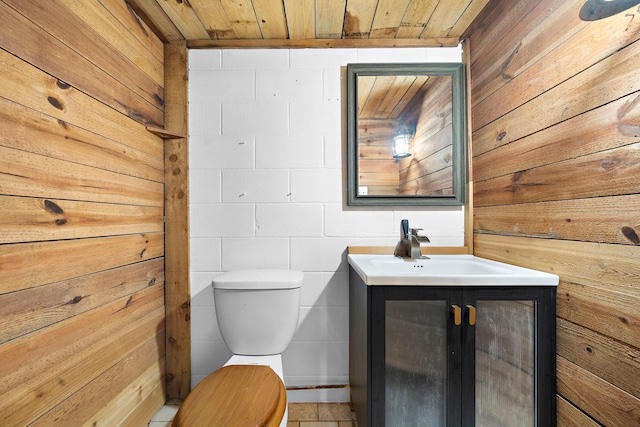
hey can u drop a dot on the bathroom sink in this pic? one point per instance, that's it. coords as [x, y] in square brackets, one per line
[444, 270]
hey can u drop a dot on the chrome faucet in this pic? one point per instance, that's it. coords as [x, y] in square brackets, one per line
[410, 239]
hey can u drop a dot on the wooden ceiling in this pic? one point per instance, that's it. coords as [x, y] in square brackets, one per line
[388, 97]
[309, 23]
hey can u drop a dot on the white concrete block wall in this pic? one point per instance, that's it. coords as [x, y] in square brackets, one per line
[267, 150]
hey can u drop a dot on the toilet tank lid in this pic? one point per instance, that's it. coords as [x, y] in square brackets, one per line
[259, 279]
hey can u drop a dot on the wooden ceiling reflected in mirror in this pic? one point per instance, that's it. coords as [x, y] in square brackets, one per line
[424, 101]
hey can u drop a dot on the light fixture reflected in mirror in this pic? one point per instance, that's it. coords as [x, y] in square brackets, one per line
[401, 143]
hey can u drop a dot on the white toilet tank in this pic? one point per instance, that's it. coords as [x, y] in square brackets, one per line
[257, 310]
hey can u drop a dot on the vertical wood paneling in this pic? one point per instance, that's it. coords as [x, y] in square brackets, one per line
[358, 19]
[329, 18]
[389, 14]
[182, 15]
[214, 18]
[301, 19]
[81, 215]
[178, 302]
[556, 143]
[271, 19]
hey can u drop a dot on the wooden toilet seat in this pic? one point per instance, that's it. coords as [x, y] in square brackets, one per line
[235, 396]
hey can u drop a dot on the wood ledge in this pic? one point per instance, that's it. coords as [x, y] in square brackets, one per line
[166, 134]
[432, 250]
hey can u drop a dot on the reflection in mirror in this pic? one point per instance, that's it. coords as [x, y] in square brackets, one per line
[406, 134]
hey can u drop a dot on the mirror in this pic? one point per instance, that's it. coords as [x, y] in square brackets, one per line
[420, 108]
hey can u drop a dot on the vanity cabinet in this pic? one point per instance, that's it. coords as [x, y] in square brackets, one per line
[444, 356]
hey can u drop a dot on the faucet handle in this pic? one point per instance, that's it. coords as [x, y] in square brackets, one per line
[415, 232]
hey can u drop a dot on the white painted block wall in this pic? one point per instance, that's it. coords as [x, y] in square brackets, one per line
[267, 182]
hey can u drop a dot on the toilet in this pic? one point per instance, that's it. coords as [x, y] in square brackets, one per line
[257, 313]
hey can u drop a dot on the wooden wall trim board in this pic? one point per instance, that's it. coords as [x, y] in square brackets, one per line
[321, 43]
[469, 205]
[556, 144]
[178, 298]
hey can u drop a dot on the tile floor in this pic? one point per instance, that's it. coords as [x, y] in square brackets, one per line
[164, 416]
[321, 415]
[300, 415]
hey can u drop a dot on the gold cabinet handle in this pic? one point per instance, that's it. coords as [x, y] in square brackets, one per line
[457, 314]
[472, 314]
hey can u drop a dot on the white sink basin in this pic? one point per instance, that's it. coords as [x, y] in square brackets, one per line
[445, 270]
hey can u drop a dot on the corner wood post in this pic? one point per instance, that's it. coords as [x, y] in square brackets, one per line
[176, 173]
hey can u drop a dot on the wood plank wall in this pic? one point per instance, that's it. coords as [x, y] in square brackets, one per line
[556, 161]
[377, 169]
[429, 170]
[81, 215]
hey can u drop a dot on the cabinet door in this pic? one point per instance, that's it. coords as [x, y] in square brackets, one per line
[510, 341]
[421, 359]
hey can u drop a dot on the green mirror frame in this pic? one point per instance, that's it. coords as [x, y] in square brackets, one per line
[458, 134]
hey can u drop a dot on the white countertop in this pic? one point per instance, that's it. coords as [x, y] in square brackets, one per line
[445, 270]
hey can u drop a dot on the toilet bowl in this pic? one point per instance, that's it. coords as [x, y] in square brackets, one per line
[257, 312]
